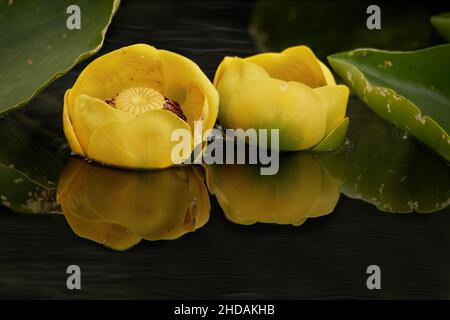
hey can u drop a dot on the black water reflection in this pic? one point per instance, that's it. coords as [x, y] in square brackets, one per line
[390, 169]
[32, 155]
[118, 208]
[303, 188]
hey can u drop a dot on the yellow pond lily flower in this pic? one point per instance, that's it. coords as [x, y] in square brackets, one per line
[291, 91]
[125, 105]
[118, 208]
[306, 186]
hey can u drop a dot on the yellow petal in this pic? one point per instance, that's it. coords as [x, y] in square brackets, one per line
[68, 128]
[142, 143]
[89, 113]
[293, 64]
[203, 204]
[180, 76]
[134, 66]
[72, 188]
[334, 99]
[328, 196]
[235, 71]
[190, 213]
[141, 201]
[221, 69]
[293, 108]
[327, 74]
[195, 106]
[234, 214]
[73, 191]
[111, 235]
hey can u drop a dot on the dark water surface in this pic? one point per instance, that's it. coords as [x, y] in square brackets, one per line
[376, 183]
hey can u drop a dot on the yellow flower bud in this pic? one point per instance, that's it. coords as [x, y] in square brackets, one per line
[291, 91]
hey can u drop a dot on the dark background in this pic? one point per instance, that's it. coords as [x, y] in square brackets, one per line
[327, 257]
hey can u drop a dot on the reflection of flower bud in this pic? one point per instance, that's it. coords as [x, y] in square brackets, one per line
[119, 208]
[125, 105]
[301, 189]
[291, 91]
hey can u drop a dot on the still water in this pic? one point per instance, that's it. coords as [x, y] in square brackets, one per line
[309, 231]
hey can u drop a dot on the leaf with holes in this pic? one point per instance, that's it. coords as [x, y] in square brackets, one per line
[38, 46]
[409, 89]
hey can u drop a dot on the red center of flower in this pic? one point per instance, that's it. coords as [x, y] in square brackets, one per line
[174, 107]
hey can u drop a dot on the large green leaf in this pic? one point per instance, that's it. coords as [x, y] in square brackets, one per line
[37, 47]
[408, 89]
[32, 155]
[388, 168]
[442, 24]
[330, 26]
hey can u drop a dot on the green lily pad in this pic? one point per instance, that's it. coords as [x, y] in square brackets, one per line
[409, 89]
[388, 168]
[37, 47]
[329, 26]
[32, 156]
[441, 23]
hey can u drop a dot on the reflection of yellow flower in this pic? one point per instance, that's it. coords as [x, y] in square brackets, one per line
[301, 189]
[119, 208]
[125, 105]
[291, 91]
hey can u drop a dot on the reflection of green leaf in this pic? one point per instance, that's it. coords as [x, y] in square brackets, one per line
[20, 194]
[390, 169]
[32, 156]
[37, 47]
[331, 26]
[442, 24]
[408, 89]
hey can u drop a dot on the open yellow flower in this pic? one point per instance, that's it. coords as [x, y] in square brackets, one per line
[306, 186]
[291, 91]
[125, 105]
[118, 208]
